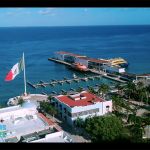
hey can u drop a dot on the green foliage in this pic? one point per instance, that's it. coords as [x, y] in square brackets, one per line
[137, 92]
[79, 122]
[91, 90]
[104, 88]
[136, 133]
[64, 93]
[48, 108]
[79, 89]
[49, 98]
[105, 128]
[20, 101]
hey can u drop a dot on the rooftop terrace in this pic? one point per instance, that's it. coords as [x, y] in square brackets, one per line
[24, 125]
[82, 99]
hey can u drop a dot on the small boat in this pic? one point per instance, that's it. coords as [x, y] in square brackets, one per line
[74, 76]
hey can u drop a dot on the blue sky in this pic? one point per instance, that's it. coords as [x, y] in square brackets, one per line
[73, 16]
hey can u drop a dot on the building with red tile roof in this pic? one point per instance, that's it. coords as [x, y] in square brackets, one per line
[82, 105]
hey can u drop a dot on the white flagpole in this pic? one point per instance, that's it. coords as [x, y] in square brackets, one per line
[25, 89]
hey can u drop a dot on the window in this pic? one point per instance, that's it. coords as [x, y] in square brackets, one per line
[60, 106]
[56, 104]
[107, 108]
[65, 110]
[69, 114]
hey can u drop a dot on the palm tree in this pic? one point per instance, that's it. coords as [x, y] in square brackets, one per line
[120, 88]
[48, 108]
[140, 85]
[49, 98]
[137, 127]
[141, 94]
[91, 90]
[147, 93]
[103, 88]
[116, 103]
[79, 89]
[130, 88]
[52, 111]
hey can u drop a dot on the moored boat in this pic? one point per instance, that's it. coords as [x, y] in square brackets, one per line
[119, 61]
[79, 67]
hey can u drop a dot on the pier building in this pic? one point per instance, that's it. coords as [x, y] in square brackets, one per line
[90, 63]
[81, 105]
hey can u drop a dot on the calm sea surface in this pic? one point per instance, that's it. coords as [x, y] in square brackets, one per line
[39, 43]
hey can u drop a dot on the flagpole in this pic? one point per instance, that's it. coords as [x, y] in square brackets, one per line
[25, 89]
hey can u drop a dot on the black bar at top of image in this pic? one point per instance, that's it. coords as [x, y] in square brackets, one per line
[75, 3]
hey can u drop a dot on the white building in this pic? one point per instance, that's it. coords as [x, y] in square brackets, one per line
[25, 124]
[111, 69]
[81, 105]
[91, 63]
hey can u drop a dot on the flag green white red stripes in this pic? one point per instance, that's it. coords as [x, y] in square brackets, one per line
[15, 70]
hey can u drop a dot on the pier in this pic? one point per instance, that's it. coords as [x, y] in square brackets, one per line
[29, 83]
[106, 75]
[59, 61]
[101, 73]
[52, 83]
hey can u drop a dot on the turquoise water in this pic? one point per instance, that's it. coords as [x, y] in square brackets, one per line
[73, 85]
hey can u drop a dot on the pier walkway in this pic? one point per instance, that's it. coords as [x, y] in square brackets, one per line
[104, 74]
[44, 84]
[59, 61]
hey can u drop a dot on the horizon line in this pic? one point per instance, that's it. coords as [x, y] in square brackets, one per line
[79, 25]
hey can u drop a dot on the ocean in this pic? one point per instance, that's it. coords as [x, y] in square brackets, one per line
[39, 43]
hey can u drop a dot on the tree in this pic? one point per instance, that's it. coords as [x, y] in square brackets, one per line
[137, 133]
[140, 85]
[104, 128]
[117, 103]
[137, 127]
[79, 122]
[103, 88]
[79, 89]
[130, 88]
[48, 108]
[50, 98]
[20, 101]
[120, 88]
[91, 90]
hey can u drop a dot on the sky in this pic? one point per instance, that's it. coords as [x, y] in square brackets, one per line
[12, 17]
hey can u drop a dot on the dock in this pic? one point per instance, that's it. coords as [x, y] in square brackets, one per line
[105, 75]
[29, 83]
[42, 82]
[59, 61]
[102, 73]
[52, 83]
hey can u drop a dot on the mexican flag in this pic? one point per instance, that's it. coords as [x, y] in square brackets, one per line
[15, 70]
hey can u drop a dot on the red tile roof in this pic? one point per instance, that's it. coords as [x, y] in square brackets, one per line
[144, 75]
[50, 122]
[84, 57]
[90, 98]
[94, 60]
[71, 54]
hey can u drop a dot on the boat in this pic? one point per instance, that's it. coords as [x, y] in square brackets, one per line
[74, 76]
[79, 67]
[119, 62]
